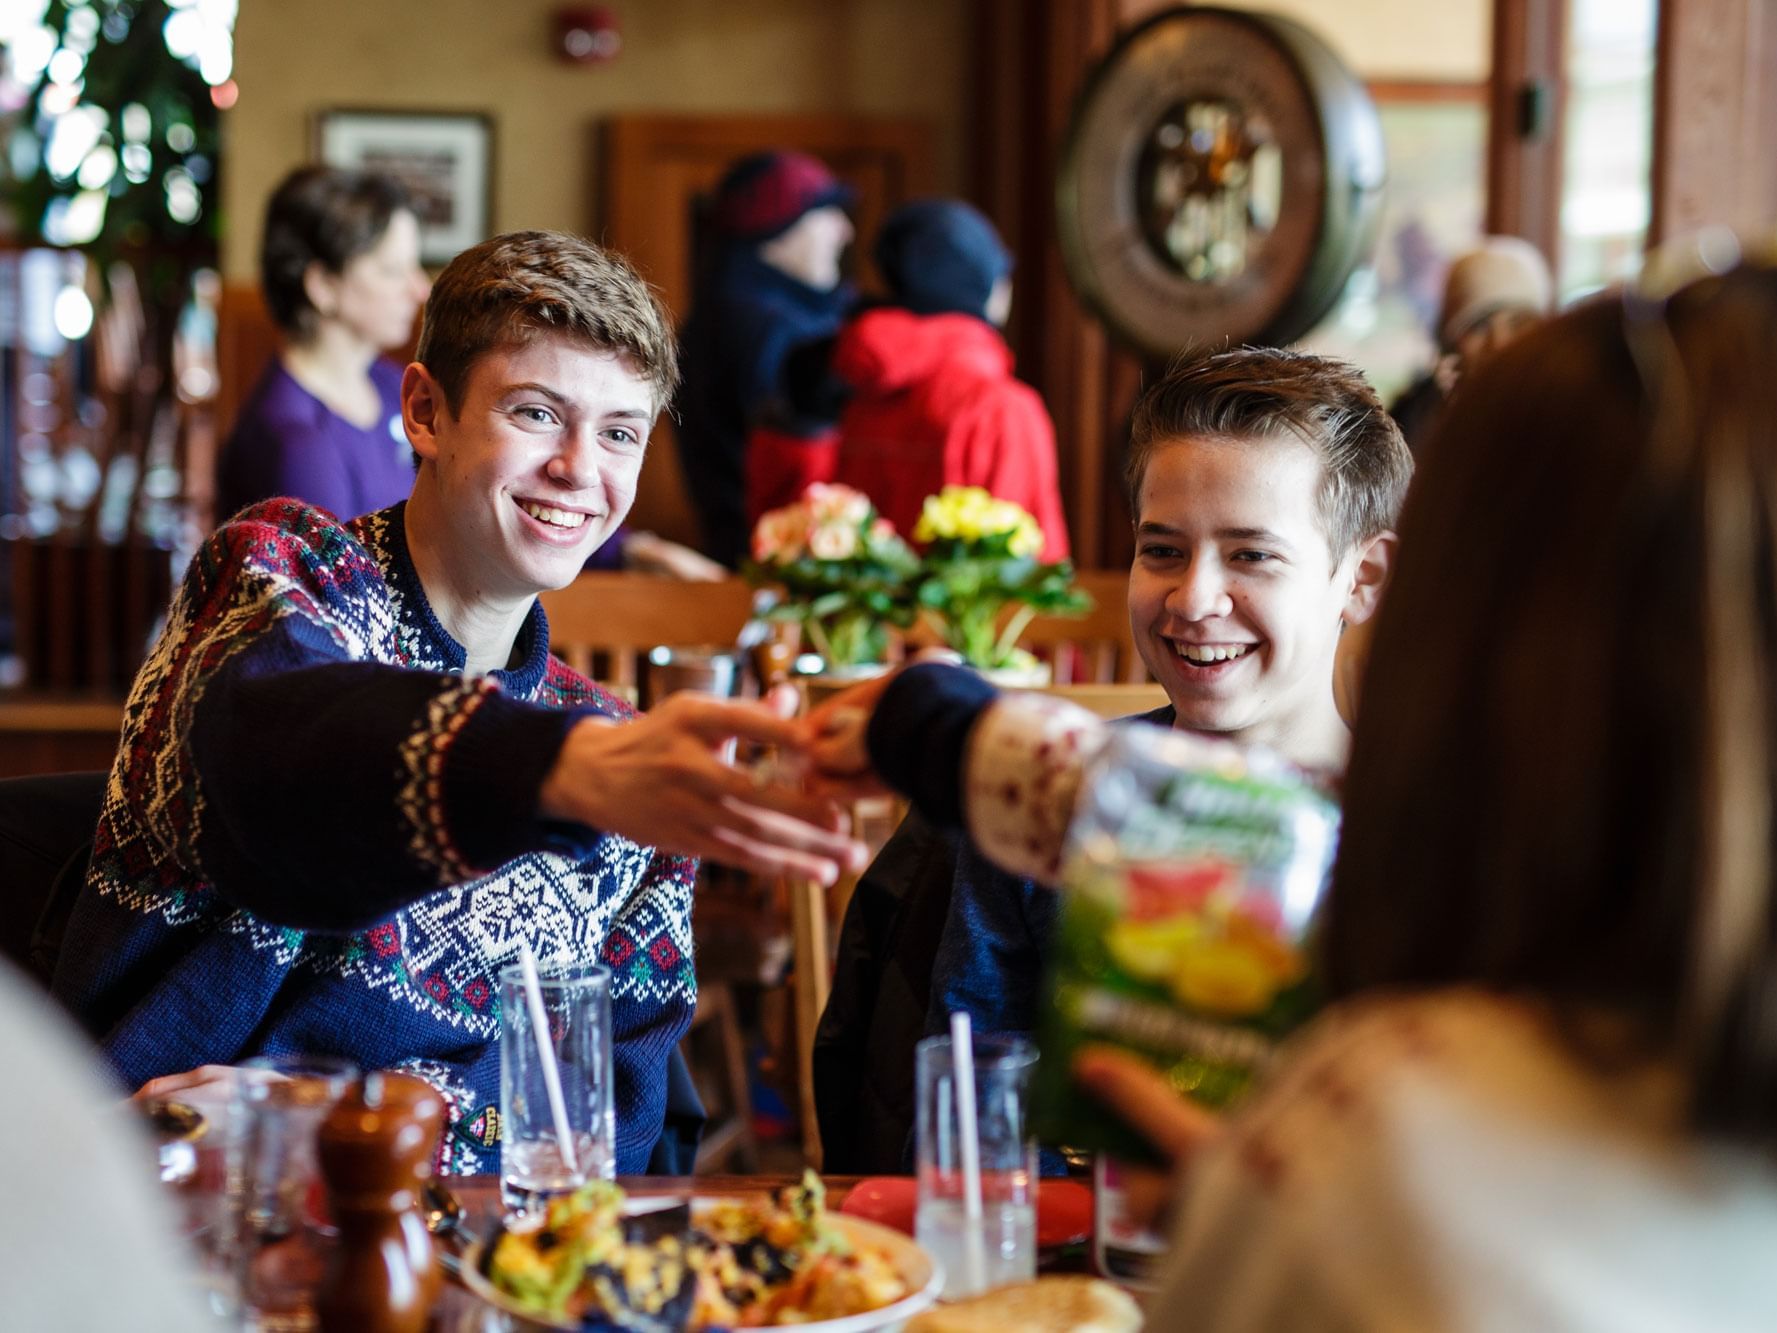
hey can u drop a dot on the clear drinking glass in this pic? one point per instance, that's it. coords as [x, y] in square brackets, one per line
[280, 1102]
[577, 1003]
[278, 1105]
[1005, 1249]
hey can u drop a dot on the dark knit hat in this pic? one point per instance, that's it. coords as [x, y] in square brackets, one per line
[939, 256]
[763, 194]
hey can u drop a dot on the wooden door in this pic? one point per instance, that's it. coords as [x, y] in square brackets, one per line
[656, 169]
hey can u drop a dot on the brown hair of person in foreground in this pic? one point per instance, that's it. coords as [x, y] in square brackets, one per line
[1562, 777]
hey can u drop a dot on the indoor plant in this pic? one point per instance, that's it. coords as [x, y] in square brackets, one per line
[846, 576]
[981, 556]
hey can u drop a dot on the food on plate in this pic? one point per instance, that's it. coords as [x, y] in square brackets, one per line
[1048, 1305]
[741, 1264]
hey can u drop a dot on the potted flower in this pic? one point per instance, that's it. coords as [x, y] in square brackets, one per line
[980, 558]
[846, 576]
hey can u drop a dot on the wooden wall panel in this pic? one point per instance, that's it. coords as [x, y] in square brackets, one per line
[1032, 58]
[246, 341]
[1524, 131]
[1715, 116]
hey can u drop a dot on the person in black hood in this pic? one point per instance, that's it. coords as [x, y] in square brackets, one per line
[775, 281]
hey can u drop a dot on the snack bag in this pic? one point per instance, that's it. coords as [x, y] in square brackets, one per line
[1190, 880]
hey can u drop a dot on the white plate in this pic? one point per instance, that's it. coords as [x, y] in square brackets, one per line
[920, 1272]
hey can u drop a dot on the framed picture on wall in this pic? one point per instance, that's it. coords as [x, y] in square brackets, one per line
[444, 158]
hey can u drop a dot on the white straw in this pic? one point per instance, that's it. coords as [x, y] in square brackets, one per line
[558, 1107]
[962, 1060]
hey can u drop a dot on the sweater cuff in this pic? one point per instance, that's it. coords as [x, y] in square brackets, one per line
[1026, 759]
[491, 777]
[919, 731]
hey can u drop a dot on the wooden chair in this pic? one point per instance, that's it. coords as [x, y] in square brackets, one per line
[603, 625]
[1098, 647]
[53, 734]
[811, 982]
[728, 1141]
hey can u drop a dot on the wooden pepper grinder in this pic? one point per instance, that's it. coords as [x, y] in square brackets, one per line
[376, 1149]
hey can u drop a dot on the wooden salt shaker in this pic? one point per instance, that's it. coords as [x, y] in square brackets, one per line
[376, 1149]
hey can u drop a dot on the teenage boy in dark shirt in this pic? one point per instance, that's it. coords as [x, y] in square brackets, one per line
[1265, 486]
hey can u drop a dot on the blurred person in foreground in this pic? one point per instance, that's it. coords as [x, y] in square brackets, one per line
[773, 283]
[1265, 485]
[1545, 1093]
[352, 779]
[933, 400]
[340, 271]
[89, 1240]
[1493, 295]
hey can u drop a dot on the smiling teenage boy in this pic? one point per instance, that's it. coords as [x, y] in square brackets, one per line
[1264, 486]
[352, 779]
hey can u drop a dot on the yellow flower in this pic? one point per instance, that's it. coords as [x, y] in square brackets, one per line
[937, 516]
[1027, 537]
[969, 513]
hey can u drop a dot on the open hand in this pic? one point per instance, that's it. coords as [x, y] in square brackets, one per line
[836, 735]
[215, 1079]
[834, 738]
[662, 779]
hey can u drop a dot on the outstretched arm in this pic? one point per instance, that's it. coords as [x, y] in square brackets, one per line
[1005, 767]
[320, 790]
[660, 780]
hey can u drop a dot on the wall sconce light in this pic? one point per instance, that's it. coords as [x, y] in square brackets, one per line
[587, 34]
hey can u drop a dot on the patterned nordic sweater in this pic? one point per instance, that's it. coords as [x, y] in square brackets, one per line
[320, 836]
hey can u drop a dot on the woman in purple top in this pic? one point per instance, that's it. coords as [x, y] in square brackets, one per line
[340, 270]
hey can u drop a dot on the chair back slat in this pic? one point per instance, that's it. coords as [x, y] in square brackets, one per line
[1096, 648]
[604, 624]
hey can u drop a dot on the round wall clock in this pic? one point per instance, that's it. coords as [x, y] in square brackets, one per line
[1221, 178]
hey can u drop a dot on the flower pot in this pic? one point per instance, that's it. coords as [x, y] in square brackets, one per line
[1027, 676]
[836, 680]
[852, 672]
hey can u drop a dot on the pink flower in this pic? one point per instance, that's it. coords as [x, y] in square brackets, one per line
[833, 541]
[779, 535]
[836, 504]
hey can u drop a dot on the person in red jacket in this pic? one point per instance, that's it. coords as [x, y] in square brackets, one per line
[934, 402]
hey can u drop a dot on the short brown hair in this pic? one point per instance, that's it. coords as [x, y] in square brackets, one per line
[1260, 392]
[508, 290]
[1563, 783]
[325, 216]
